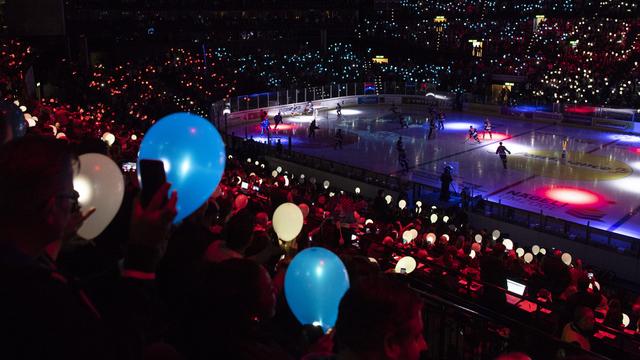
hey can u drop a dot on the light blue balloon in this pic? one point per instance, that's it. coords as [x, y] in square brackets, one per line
[193, 155]
[314, 284]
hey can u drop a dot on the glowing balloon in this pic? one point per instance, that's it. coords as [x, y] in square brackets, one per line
[388, 199]
[368, 221]
[472, 253]
[566, 258]
[407, 237]
[445, 218]
[419, 203]
[287, 221]
[109, 138]
[478, 238]
[100, 185]
[402, 204]
[508, 244]
[434, 218]
[535, 249]
[357, 190]
[314, 284]
[193, 154]
[326, 184]
[495, 234]
[528, 257]
[406, 265]
[520, 252]
[625, 320]
[414, 233]
[431, 238]
[543, 251]
[279, 169]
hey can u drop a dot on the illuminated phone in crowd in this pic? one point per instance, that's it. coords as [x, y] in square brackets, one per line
[128, 166]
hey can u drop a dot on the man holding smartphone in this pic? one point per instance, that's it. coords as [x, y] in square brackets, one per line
[37, 197]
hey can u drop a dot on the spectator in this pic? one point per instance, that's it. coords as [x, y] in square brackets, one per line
[380, 318]
[580, 329]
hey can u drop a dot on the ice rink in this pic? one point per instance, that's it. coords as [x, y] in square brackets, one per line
[596, 182]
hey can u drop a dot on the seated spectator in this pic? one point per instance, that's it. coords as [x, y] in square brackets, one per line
[580, 329]
[583, 297]
[233, 301]
[380, 318]
[613, 318]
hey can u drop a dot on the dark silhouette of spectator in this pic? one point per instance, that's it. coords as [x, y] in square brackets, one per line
[380, 318]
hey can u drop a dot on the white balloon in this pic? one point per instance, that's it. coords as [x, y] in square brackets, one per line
[566, 258]
[407, 263]
[543, 251]
[109, 138]
[431, 238]
[402, 204]
[528, 257]
[414, 233]
[434, 218]
[495, 234]
[407, 237]
[535, 249]
[101, 186]
[520, 252]
[326, 184]
[478, 238]
[388, 199]
[508, 244]
[287, 221]
[472, 253]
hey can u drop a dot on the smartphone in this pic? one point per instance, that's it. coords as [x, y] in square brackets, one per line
[152, 177]
[128, 166]
[244, 185]
[354, 238]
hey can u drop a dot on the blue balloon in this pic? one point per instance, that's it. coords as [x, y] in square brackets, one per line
[193, 155]
[314, 284]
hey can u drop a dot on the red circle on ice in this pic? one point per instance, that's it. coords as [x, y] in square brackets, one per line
[572, 195]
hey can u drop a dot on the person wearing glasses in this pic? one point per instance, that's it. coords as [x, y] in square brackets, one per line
[45, 312]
